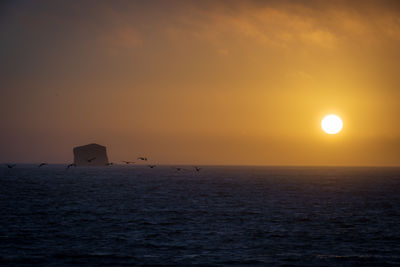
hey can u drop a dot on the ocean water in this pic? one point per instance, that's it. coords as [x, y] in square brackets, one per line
[278, 216]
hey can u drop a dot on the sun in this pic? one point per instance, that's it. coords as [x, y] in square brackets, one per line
[332, 124]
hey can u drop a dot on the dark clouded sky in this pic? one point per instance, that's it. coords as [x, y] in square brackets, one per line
[201, 82]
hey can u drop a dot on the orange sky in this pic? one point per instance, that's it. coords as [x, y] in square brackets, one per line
[201, 82]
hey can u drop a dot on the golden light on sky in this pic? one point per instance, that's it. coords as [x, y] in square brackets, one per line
[332, 124]
[201, 82]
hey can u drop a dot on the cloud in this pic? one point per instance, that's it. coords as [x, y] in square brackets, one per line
[284, 23]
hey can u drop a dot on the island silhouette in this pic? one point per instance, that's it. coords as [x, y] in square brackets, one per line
[90, 155]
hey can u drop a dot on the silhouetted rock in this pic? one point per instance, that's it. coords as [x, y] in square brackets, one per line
[90, 155]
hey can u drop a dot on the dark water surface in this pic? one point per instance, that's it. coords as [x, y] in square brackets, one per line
[218, 216]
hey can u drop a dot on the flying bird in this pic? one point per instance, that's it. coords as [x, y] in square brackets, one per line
[42, 164]
[109, 164]
[142, 158]
[152, 166]
[178, 169]
[128, 162]
[197, 169]
[71, 165]
[10, 166]
[91, 159]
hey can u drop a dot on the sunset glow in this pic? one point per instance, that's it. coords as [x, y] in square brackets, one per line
[201, 82]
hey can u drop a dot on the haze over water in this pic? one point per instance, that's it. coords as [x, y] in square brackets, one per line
[301, 216]
[201, 82]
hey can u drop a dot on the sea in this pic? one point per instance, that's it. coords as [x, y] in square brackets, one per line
[218, 216]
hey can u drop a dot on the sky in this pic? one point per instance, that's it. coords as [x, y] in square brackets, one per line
[201, 82]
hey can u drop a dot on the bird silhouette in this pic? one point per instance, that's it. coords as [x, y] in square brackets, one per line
[71, 165]
[42, 164]
[152, 166]
[109, 164]
[128, 162]
[10, 166]
[142, 158]
[91, 159]
[197, 169]
[178, 169]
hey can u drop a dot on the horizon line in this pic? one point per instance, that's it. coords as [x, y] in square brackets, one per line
[220, 165]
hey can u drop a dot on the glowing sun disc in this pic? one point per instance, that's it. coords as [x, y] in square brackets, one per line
[332, 124]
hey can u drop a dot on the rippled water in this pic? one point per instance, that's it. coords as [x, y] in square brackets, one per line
[218, 216]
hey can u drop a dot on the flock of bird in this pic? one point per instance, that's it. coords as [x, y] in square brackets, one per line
[197, 169]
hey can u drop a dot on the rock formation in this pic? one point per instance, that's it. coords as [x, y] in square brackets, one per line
[90, 155]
